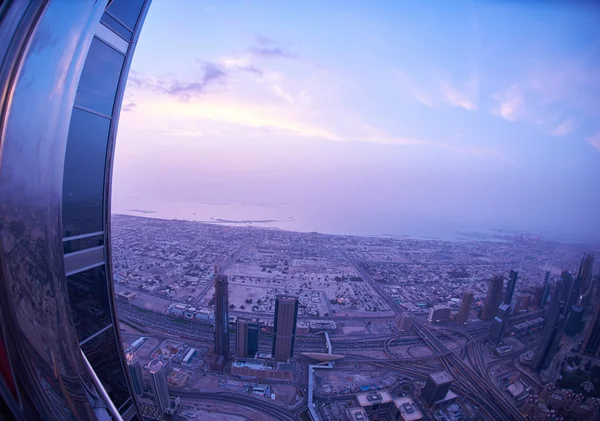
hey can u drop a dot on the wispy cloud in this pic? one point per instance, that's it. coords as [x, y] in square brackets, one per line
[271, 52]
[210, 74]
[564, 128]
[447, 93]
[594, 140]
[511, 104]
[128, 107]
[464, 96]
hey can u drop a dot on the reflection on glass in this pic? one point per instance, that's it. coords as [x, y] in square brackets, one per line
[89, 301]
[103, 354]
[83, 182]
[116, 26]
[127, 11]
[100, 78]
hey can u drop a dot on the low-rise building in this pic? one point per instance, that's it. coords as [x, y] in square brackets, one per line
[439, 314]
[356, 414]
[405, 409]
[251, 367]
[376, 404]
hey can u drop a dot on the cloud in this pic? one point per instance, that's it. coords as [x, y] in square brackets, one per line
[130, 106]
[464, 96]
[211, 73]
[271, 52]
[511, 105]
[263, 40]
[564, 128]
[594, 140]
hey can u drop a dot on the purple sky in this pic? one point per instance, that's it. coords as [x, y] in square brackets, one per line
[484, 113]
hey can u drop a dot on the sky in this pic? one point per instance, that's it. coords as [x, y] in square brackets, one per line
[480, 113]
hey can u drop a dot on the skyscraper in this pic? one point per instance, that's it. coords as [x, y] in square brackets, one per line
[436, 387]
[222, 316]
[135, 371]
[158, 382]
[586, 266]
[499, 322]
[574, 322]
[246, 335]
[493, 297]
[566, 280]
[552, 332]
[284, 328]
[591, 341]
[510, 286]
[546, 289]
[69, 90]
[465, 307]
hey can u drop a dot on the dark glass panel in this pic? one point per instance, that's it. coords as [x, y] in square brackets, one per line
[83, 182]
[103, 354]
[89, 301]
[100, 77]
[112, 23]
[83, 243]
[127, 11]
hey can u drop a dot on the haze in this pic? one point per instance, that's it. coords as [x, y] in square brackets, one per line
[393, 117]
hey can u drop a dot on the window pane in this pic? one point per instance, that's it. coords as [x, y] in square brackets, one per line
[103, 354]
[100, 78]
[83, 182]
[127, 11]
[83, 243]
[116, 26]
[89, 301]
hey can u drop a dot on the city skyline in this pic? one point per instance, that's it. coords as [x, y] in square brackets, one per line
[483, 121]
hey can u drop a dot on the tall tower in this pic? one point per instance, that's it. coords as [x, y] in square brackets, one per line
[246, 335]
[284, 329]
[158, 381]
[546, 289]
[222, 316]
[135, 371]
[552, 332]
[591, 342]
[585, 271]
[465, 307]
[493, 297]
[567, 287]
[510, 286]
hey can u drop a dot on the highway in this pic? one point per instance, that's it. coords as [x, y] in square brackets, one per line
[493, 402]
[275, 411]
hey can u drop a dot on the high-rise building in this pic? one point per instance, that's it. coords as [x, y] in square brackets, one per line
[439, 313]
[436, 387]
[135, 371]
[493, 297]
[246, 344]
[499, 323]
[465, 307]
[591, 341]
[546, 285]
[566, 280]
[538, 297]
[586, 266]
[574, 322]
[405, 322]
[222, 316]
[59, 123]
[158, 382]
[552, 331]
[284, 327]
[510, 286]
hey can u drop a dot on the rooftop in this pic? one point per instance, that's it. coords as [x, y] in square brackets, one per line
[441, 377]
[407, 407]
[357, 414]
[371, 398]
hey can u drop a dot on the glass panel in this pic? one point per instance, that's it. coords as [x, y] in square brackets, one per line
[89, 301]
[100, 78]
[103, 354]
[83, 243]
[83, 182]
[116, 26]
[127, 11]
